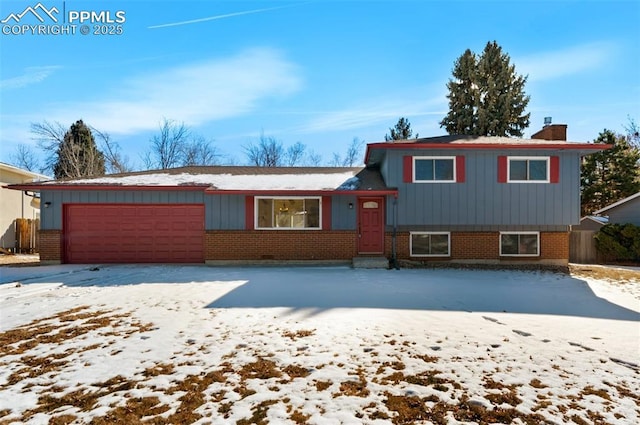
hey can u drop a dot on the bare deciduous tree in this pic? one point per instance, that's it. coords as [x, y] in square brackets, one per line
[48, 135]
[633, 132]
[295, 154]
[200, 152]
[26, 158]
[354, 151]
[314, 159]
[114, 160]
[167, 147]
[268, 152]
[177, 146]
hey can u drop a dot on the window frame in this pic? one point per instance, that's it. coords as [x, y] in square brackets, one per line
[537, 254]
[256, 215]
[529, 158]
[433, 158]
[448, 254]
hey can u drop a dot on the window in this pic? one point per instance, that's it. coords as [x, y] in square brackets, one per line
[429, 244]
[520, 244]
[528, 169]
[288, 213]
[434, 169]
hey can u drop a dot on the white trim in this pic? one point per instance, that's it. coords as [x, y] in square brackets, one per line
[529, 158]
[413, 169]
[256, 216]
[35, 177]
[537, 254]
[448, 254]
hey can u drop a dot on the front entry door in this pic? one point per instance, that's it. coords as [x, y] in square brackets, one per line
[370, 225]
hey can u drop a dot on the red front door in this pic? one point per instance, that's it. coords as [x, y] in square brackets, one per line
[371, 225]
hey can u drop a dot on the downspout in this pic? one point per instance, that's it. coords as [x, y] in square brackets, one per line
[394, 253]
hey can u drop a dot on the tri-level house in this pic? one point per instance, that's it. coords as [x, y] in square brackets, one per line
[446, 199]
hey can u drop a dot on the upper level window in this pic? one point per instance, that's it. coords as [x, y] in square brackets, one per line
[434, 169]
[288, 213]
[528, 169]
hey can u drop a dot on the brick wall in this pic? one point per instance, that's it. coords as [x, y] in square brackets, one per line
[485, 246]
[280, 245]
[554, 245]
[336, 245]
[50, 246]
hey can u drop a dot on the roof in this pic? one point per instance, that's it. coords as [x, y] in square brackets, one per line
[231, 179]
[617, 204]
[599, 220]
[458, 142]
[21, 171]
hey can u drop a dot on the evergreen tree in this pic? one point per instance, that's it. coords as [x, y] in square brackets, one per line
[401, 131]
[486, 96]
[78, 155]
[610, 175]
[463, 96]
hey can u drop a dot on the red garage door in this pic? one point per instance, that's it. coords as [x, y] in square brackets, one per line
[108, 233]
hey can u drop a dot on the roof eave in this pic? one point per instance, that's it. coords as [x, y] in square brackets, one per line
[583, 148]
[302, 192]
[39, 187]
[618, 203]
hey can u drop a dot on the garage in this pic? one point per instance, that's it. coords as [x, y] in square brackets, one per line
[133, 233]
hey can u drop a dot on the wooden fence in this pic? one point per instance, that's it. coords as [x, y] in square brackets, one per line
[27, 235]
[582, 247]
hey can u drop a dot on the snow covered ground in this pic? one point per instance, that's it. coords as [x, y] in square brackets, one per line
[197, 344]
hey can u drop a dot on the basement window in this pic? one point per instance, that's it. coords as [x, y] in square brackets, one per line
[288, 213]
[430, 244]
[520, 244]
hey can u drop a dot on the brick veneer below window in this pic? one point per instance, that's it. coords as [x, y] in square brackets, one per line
[280, 245]
[485, 246]
[336, 245]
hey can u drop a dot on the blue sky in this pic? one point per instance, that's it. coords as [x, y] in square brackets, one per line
[318, 72]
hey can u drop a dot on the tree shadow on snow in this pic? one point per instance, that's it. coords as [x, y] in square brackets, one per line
[440, 290]
[317, 289]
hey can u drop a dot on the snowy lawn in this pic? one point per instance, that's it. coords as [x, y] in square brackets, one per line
[197, 344]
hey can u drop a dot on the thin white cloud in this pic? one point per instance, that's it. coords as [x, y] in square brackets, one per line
[375, 112]
[31, 75]
[195, 93]
[213, 18]
[565, 62]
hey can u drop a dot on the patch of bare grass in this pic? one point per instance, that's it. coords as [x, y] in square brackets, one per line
[302, 333]
[323, 385]
[260, 369]
[605, 273]
[354, 388]
[259, 414]
[295, 371]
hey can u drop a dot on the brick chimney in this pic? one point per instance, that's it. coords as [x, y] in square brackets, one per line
[552, 132]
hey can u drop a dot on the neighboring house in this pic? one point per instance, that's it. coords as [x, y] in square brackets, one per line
[590, 223]
[452, 198]
[15, 204]
[624, 211]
